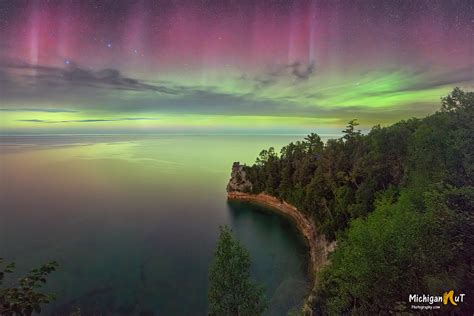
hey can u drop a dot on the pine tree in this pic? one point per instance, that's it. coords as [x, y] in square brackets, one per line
[350, 131]
[231, 291]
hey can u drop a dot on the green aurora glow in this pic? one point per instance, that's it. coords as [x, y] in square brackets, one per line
[302, 68]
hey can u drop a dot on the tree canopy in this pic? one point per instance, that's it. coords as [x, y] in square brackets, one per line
[399, 200]
[24, 299]
[231, 291]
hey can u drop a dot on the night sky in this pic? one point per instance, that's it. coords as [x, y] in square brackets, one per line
[278, 66]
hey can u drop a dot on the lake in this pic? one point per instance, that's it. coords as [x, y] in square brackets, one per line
[133, 220]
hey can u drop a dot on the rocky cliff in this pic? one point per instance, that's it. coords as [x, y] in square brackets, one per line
[319, 248]
[238, 181]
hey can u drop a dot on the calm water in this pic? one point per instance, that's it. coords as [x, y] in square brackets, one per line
[133, 220]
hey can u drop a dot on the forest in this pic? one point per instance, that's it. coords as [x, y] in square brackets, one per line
[398, 200]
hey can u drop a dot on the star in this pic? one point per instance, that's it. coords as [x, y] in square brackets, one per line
[109, 45]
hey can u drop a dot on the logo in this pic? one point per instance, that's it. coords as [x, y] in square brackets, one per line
[451, 298]
[430, 302]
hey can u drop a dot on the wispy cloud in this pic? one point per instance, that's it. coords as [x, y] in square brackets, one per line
[75, 76]
[275, 73]
[47, 110]
[302, 71]
[90, 120]
[288, 90]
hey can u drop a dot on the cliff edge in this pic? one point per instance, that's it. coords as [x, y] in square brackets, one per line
[239, 188]
[238, 179]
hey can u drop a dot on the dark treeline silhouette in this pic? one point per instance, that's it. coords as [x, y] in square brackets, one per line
[399, 201]
[25, 298]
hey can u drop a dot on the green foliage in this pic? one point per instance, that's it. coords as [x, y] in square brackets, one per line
[231, 290]
[385, 258]
[350, 132]
[24, 299]
[399, 200]
[457, 100]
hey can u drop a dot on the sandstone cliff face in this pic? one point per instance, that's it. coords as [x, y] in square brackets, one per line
[238, 180]
[319, 248]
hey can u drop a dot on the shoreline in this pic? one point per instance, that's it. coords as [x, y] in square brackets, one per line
[318, 246]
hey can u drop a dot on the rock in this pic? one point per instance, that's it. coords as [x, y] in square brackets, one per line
[319, 248]
[238, 179]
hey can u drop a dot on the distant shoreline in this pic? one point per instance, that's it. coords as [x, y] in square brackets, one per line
[319, 247]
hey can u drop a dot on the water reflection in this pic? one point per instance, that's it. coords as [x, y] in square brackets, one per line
[133, 221]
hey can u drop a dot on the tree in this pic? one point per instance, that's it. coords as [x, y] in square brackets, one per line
[25, 299]
[314, 142]
[425, 168]
[350, 131]
[385, 257]
[457, 100]
[231, 290]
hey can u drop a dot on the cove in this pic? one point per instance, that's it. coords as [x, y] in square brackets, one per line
[133, 220]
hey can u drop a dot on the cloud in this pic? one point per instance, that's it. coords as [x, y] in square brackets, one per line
[50, 110]
[293, 72]
[448, 78]
[32, 121]
[301, 71]
[102, 93]
[90, 120]
[76, 76]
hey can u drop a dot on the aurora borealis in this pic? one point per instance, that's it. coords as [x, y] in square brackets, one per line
[278, 66]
